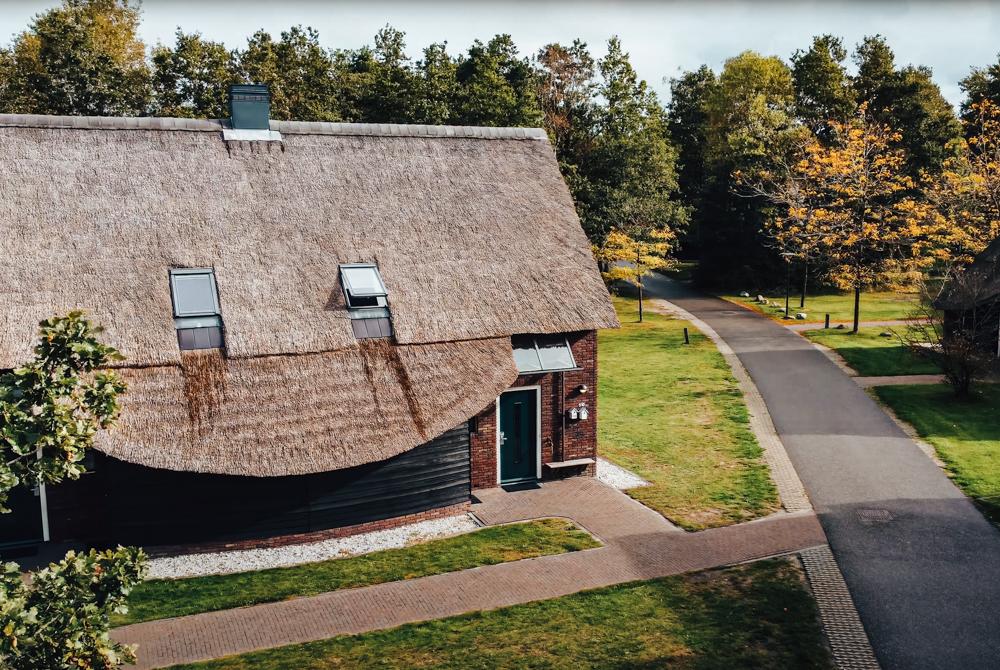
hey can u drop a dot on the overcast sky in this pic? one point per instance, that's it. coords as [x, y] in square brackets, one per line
[664, 38]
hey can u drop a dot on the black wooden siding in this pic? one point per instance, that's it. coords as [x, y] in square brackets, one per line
[154, 507]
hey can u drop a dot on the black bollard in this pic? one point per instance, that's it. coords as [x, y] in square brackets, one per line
[827, 321]
[687, 340]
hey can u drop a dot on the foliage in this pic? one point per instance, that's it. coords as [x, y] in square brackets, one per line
[162, 598]
[849, 204]
[687, 123]
[83, 57]
[191, 79]
[673, 414]
[495, 86]
[757, 615]
[966, 195]
[59, 618]
[823, 91]
[51, 408]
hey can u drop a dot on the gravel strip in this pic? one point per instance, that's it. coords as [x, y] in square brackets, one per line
[227, 562]
[618, 477]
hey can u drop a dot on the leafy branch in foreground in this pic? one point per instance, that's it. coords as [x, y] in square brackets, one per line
[51, 408]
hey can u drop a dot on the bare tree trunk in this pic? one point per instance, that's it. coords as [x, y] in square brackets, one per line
[857, 307]
[640, 299]
[805, 285]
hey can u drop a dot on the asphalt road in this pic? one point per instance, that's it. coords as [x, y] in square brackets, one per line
[922, 564]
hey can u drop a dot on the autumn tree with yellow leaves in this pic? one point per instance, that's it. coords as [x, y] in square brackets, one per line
[850, 203]
[631, 253]
[965, 198]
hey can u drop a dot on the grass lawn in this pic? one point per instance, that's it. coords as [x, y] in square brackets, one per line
[673, 414]
[750, 616]
[872, 355]
[162, 598]
[875, 306]
[965, 434]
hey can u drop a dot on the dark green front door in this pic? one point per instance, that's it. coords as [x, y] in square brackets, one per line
[518, 436]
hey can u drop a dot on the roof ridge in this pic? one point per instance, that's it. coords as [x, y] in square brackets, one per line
[283, 127]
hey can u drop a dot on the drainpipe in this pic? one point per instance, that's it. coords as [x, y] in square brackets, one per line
[562, 415]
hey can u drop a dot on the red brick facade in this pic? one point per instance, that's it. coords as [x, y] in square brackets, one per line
[559, 391]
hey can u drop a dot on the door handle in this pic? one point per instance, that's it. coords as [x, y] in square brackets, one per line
[503, 438]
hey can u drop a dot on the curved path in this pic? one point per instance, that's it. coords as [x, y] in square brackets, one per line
[922, 564]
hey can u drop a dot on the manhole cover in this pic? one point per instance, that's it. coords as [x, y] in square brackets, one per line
[871, 517]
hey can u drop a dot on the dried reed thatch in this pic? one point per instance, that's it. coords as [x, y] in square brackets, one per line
[473, 230]
[290, 415]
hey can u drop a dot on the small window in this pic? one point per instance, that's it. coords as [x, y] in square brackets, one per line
[194, 292]
[197, 317]
[363, 285]
[367, 300]
[542, 353]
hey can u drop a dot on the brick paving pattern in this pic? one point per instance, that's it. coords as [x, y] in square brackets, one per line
[639, 544]
[848, 640]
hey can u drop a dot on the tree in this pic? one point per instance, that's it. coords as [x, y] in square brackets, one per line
[437, 85]
[81, 58]
[59, 618]
[192, 78]
[377, 85]
[630, 168]
[495, 86]
[907, 100]
[687, 122]
[50, 409]
[850, 201]
[630, 257]
[822, 86]
[296, 69]
[982, 84]
[751, 125]
[566, 91]
[965, 196]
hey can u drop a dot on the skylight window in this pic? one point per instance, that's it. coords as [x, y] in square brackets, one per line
[367, 300]
[196, 308]
[542, 353]
[363, 285]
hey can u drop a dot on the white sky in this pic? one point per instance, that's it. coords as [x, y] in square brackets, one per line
[663, 38]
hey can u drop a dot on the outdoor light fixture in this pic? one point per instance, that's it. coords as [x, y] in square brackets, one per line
[581, 389]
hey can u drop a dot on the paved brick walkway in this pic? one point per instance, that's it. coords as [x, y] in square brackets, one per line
[639, 544]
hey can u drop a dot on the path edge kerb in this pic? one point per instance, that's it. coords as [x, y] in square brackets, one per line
[790, 489]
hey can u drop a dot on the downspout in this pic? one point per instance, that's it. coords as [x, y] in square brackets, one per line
[562, 415]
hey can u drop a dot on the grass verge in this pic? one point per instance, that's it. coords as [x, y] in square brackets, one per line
[872, 355]
[965, 434]
[875, 306]
[750, 616]
[674, 414]
[162, 598]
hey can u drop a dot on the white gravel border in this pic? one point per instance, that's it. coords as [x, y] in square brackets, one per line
[618, 477]
[245, 560]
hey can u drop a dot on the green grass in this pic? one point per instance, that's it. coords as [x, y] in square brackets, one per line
[870, 354]
[162, 598]
[965, 434]
[875, 306]
[750, 616]
[673, 414]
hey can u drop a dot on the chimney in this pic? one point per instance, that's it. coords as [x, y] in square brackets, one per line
[249, 107]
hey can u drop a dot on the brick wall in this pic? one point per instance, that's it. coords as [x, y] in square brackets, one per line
[559, 392]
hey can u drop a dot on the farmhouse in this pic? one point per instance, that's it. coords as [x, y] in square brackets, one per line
[971, 301]
[327, 327]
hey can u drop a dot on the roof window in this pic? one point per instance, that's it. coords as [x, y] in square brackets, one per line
[197, 317]
[542, 353]
[367, 300]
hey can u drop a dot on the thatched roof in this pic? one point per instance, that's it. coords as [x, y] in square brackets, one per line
[978, 284]
[473, 230]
